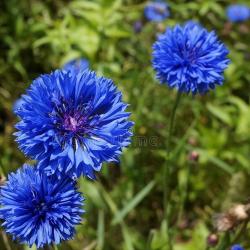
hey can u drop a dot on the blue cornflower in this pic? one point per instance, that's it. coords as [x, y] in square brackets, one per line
[190, 58]
[156, 11]
[237, 247]
[72, 123]
[76, 65]
[238, 13]
[37, 209]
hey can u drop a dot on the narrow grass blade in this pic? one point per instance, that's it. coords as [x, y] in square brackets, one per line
[100, 230]
[133, 203]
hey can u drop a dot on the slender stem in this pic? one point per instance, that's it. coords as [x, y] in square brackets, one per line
[167, 170]
[3, 170]
[47, 247]
[226, 239]
[185, 193]
[207, 247]
[224, 242]
[149, 240]
[50, 247]
[241, 232]
[55, 247]
[6, 241]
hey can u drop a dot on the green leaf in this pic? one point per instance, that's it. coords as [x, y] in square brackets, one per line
[91, 191]
[159, 238]
[117, 32]
[128, 236]
[133, 203]
[220, 113]
[216, 161]
[199, 233]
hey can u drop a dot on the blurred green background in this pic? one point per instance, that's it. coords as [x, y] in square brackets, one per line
[124, 207]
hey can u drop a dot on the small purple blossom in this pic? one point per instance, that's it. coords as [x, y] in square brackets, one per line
[238, 13]
[138, 26]
[237, 247]
[156, 11]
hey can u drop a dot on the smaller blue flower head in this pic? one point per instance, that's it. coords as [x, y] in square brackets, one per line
[237, 247]
[73, 122]
[76, 65]
[156, 11]
[189, 58]
[39, 210]
[238, 13]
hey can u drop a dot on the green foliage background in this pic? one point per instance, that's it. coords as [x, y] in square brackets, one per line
[124, 207]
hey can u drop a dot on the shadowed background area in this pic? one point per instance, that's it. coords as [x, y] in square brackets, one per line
[210, 151]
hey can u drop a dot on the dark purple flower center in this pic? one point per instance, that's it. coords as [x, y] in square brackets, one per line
[70, 123]
[189, 57]
[41, 208]
[74, 122]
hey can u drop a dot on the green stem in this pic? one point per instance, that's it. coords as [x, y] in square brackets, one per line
[185, 194]
[149, 240]
[6, 241]
[50, 247]
[224, 242]
[241, 232]
[3, 171]
[55, 247]
[167, 171]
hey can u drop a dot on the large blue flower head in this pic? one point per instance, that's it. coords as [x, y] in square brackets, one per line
[37, 209]
[238, 13]
[76, 65]
[156, 11]
[190, 58]
[237, 247]
[72, 123]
